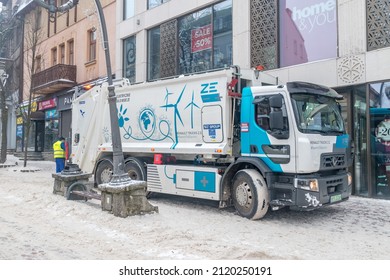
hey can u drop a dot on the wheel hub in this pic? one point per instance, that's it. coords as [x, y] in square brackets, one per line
[106, 175]
[243, 195]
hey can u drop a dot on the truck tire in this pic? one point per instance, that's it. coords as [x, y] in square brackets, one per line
[104, 172]
[134, 167]
[250, 194]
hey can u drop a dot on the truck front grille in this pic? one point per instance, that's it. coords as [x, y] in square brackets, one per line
[333, 161]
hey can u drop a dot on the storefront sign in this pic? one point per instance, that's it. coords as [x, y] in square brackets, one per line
[19, 131]
[202, 38]
[65, 102]
[34, 106]
[19, 120]
[47, 104]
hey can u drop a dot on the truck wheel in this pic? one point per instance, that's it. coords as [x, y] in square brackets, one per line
[250, 194]
[136, 170]
[104, 172]
[134, 167]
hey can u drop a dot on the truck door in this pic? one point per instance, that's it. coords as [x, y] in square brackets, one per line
[269, 133]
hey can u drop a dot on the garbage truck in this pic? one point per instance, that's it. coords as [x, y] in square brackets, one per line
[234, 136]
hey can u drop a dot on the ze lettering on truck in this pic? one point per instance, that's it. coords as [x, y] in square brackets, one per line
[209, 92]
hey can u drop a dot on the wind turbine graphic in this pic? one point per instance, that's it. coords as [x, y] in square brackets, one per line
[177, 115]
[166, 97]
[192, 104]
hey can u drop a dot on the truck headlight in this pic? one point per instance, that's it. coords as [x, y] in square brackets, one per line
[307, 184]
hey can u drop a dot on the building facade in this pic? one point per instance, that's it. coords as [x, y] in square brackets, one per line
[63, 56]
[344, 44]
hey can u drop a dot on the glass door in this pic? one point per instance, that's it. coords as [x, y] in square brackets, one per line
[361, 172]
[353, 109]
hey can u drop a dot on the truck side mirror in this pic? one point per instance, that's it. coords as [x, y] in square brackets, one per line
[276, 120]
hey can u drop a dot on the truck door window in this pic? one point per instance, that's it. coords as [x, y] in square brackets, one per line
[262, 110]
[262, 116]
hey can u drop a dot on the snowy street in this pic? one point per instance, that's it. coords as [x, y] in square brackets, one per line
[38, 225]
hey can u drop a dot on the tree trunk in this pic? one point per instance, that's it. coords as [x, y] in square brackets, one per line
[4, 123]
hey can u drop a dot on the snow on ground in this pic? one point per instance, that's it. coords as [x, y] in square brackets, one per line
[37, 224]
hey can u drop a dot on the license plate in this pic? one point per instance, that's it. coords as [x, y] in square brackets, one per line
[335, 198]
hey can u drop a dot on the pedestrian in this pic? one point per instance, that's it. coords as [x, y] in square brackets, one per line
[59, 154]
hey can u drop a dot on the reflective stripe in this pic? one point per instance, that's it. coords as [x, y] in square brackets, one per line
[58, 151]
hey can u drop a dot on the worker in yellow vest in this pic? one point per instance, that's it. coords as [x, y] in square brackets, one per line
[59, 154]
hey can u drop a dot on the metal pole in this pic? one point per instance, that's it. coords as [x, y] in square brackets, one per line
[119, 176]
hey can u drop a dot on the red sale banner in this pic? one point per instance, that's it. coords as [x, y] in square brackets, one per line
[202, 38]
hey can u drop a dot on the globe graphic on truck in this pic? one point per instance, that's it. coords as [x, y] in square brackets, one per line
[147, 121]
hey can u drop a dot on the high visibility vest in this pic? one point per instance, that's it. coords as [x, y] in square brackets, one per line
[58, 151]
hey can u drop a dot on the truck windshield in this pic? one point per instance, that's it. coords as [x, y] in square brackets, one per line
[317, 114]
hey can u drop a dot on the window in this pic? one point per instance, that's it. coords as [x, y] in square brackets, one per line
[307, 26]
[205, 39]
[129, 58]
[38, 64]
[155, 3]
[196, 42]
[92, 44]
[222, 34]
[54, 56]
[39, 18]
[71, 52]
[128, 9]
[266, 115]
[154, 53]
[62, 54]
[380, 138]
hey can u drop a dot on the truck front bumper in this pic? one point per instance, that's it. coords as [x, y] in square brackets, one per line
[331, 189]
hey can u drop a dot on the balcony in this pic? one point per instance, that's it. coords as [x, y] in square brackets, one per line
[53, 79]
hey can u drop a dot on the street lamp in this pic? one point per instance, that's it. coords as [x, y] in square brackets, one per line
[119, 175]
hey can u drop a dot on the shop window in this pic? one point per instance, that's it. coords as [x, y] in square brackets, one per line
[195, 41]
[308, 26]
[222, 35]
[204, 42]
[129, 61]
[205, 39]
[380, 138]
[51, 128]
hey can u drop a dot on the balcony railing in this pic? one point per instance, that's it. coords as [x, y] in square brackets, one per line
[55, 78]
